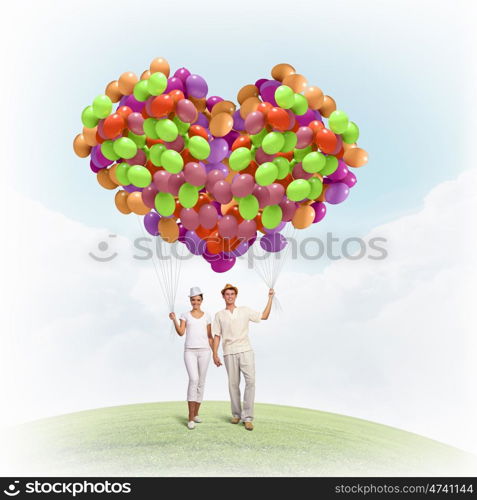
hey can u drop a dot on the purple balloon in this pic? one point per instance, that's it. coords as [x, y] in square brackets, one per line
[277, 191]
[243, 185]
[350, 179]
[336, 193]
[273, 242]
[196, 86]
[218, 150]
[212, 101]
[94, 168]
[222, 192]
[304, 136]
[98, 159]
[340, 173]
[149, 195]
[320, 211]
[223, 264]
[305, 119]
[231, 136]
[122, 101]
[174, 83]
[135, 123]
[276, 229]
[202, 121]
[131, 188]
[260, 82]
[151, 221]
[195, 174]
[247, 229]
[210, 167]
[239, 122]
[134, 104]
[175, 182]
[210, 257]
[240, 249]
[262, 194]
[138, 159]
[194, 243]
[182, 74]
[161, 180]
[267, 91]
[190, 218]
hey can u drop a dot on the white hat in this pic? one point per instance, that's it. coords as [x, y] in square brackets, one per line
[195, 290]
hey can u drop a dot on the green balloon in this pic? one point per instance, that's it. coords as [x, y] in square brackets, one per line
[351, 134]
[157, 83]
[285, 96]
[165, 203]
[182, 127]
[172, 161]
[283, 166]
[248, 207]
[313, 162]
[149, 127]
[125, 147]
[141, 93]
[139, 140]
[290, 141]
[273, 142]
[107, 148]
[271, 216]
[338, 121]
[155, 154]
[102, 106]
[316, 188]
[139, 176]
[258, 138]
[199, 147]
[300, 106]
[240, 159]
[122, 173]
[298, 190]
[266, 173]
[167, 130]
[299, 154]
[188, 195]
[330, 166]
[88, 118]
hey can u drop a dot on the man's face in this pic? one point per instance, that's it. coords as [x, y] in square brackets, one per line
[230, 296]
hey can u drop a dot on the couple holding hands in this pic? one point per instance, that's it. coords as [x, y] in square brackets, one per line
[202, 340]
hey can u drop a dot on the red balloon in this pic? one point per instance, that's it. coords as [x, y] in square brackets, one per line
[198, 130]
[326, 140]
[113, 125]
[161, 105]
[242, 141]
[264, 107]
[176, 95]
[124, 111]
[316, 125]
[278, 118]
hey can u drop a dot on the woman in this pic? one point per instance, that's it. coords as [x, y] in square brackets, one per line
[197, 351]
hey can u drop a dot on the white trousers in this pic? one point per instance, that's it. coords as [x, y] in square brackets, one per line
[242, 362]
[197, 362]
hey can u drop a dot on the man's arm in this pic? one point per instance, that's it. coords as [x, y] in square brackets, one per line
[215, 348]
[268, 307]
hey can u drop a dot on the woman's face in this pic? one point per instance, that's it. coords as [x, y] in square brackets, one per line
[196, 301]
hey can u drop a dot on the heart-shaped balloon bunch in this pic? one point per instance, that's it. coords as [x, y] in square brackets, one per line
[212, 174]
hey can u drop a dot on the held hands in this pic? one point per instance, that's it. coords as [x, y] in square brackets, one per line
[271, 293]
[217, 361]
[172, 316]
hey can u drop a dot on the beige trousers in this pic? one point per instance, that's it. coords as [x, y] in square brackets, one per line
[242, 362]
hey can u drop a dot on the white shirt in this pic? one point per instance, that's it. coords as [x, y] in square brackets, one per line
[232, 326]
[196, 330]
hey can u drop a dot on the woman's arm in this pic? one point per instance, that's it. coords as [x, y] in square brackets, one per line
[180, 328]
[209, 336]
[268, 307]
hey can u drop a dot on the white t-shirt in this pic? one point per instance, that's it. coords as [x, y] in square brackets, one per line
[196, 330]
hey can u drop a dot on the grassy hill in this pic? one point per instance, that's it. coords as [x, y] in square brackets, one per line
[152, 439]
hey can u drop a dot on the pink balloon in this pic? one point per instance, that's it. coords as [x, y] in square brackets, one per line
[175, 182]
[212, 177]
[186, 111]
[292, 118]
[350, 179]
[277, 191]
[262, 157]
[208, 216]
[138, 159]
[288, 209]
[304, 136]
[195, 173]
[148, 194]
[222, 192]
[299, 173]
[161, 180]
[243, 185]
[254, 122]
[176, 145]
[247, 229]
[135, 123]
[262, 194]
[189, 218]
[228, 226]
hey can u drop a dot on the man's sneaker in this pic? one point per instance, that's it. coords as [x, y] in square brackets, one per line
[197, 420]
[191, 425]
[248, 426]
[234, 420]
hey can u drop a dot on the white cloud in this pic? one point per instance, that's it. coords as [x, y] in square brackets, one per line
[389, 340]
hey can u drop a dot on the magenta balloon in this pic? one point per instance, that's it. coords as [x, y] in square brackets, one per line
[131, 188]
[222, 265]
[262, 194]
[195, 174]
[161, 180]
[288, 209]
[138, 159]
[273, 242]
[239, 122]
[182, 74]
[151, 221]
[100, 130]
[260, 82]
[98, 159]
[182, 232]
[176, 145]
[217, 207]
[212, 177]
[267, 91]
[218, 150]
[247, 229]
[208, 216]
[254, 122]
[231, 136]
[94, 168]
[262, 157]
[336, 193]
[243, 185]
[304, 137]
[174, 83]
[175, 182]
[186, 111]
[320, 211]
[240, 249]
[222, 192]
[190, 218]
[277, 191]
[227, 226]
[299, 173]
[135, 122]
[340, 173]
[196, 86]
[134, 104]
[212, 101]
[305, 119]
[350, 179]
[148, 195]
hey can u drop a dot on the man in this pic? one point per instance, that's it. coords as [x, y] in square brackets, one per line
[231, 324]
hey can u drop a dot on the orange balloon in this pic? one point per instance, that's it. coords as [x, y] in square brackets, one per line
[168, 229]
[145, 75]
[89, 135]
[112, 174]
[121, 201]
[160, 64]
[135, 203]
[204, 233]
[105, 180]
[245, 92]
[355, 157]
[281, 71]
[345, 146]
[221, 124]
[322, 195]
[81, 147]
[296, 82]
[198, 130]
[227, 206]
[214, 243]
[200, 104]
[248, 106]
[278, 118]
[314, 96]
[304, 217]
[328, 106]
[112, 91]
[126, 83]
[223, 107]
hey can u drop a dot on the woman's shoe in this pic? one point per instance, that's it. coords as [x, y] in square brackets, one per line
[197, 420]
[191, 425]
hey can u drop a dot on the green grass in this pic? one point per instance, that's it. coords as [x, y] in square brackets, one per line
[152, 439]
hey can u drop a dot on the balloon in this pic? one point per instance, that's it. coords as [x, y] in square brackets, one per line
[157, 83]
[212, 177]
[223, 107]
[242, 185]
[88, 118]
[99, 159]
[222, 191]
[328, 106]
[151, 221]
[218, 150]
[161, 180]
[267, 91]
[221, 124]
[164, 204]
[331, 164]
[248, 207]
[223, 265]
[186, 111]
[139, 176]
[326, 140]
[304, 137]
[314, 96]
[133, 104]
[356, 157]
[273, 242]
[126, 83]
[160, 64]
[284, 96]
[175, 182]
[113, 126]
[172, 161]
[271, 216]
[277, 191]
[340, 172]
[148, 195]
[296, 82]
[227, 226]
[336, 192]
[166, 130]
[195, 174]
[273, 142]
[188, 195]
[278, 118]
[161, 106]
[283, 166]
[168, 229]
[248, 106]
[194, 243]
[313, 162]
[80, 147]
[349, 179]
[316, 188]
[304, 217]
[125, 147]
[338, 122]
[320, 211]
[254, 122]
[176, 145]
[104, 180]
[245, 92]
[135, 123]
[208, 216]
[141, 91]
[305, 119]
[241, 249]
[199, 147]
[300, 106]
[351, 134]
[239, 122]
[246, 229]
[196, 86]
[113, 92]
[135, 203]
[102, 106]
[212, 101]
[262, 194]
[281, 71]
[120, 201]
[240, 159]
[298, 190]
[266, 174]
[189, 218]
